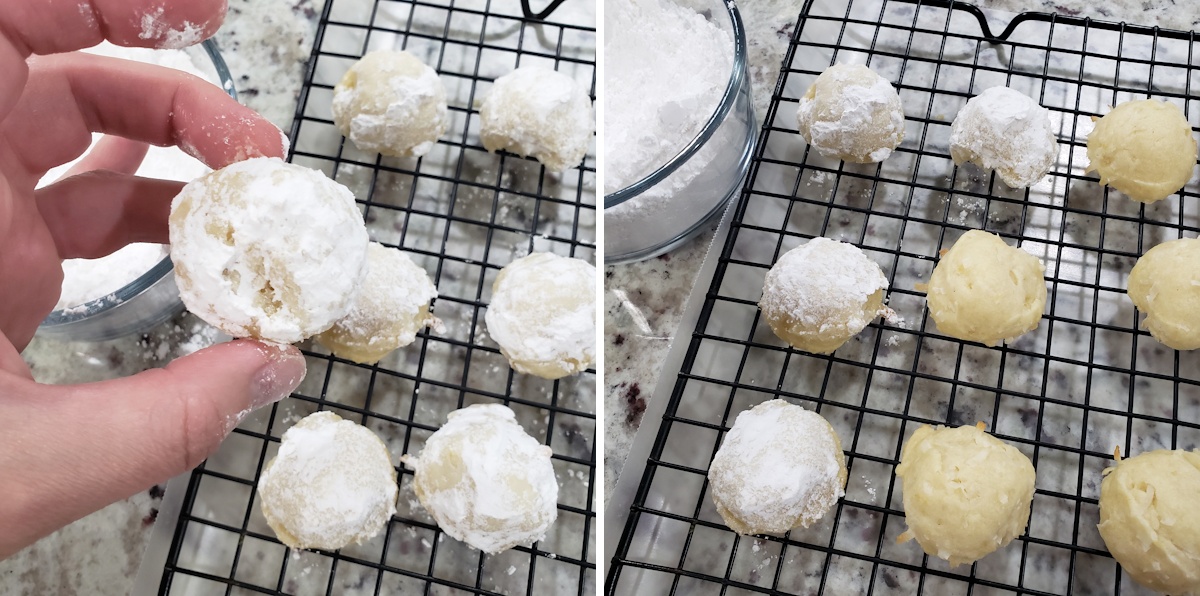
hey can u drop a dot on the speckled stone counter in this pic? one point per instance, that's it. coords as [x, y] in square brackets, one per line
[266, 44]
[645, 301]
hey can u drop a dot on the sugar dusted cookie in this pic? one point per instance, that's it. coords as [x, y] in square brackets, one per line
[851, 113]
[822, 293]
[485, 481]
[332, 483]
[1005, 130]
[390, 102]
[780, 467]
[539, 112]
[390, 308]
[267, 249]
[543, 314]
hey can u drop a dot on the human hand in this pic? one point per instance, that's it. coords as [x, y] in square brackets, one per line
[66, 451]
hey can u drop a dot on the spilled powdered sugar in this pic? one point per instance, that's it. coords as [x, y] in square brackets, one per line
[812, 283]
[1004, 130]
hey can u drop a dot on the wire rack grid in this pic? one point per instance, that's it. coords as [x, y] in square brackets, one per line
[462, 213]
[1086, 381]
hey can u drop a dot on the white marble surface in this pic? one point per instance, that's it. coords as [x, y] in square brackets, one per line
[645, 301]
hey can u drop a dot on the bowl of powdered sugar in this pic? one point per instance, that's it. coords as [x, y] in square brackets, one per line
[132, 289]
[679, 122]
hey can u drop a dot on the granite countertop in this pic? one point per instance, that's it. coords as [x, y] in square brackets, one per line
[266, 44]
[644, 301]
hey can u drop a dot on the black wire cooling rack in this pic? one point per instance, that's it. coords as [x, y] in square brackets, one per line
[1086, 381]
[462, 213]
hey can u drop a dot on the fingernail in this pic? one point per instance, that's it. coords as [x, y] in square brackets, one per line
[283, 372]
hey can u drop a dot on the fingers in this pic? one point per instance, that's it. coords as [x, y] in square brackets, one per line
[72, 95]
[72, 450]
[111, 153]
[96, 213]
[53, 26]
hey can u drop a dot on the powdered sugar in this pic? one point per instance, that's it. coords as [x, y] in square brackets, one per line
[331, 483]
[778, 468]
[503, 491]
[813, 282]
[155, 27]
[666, 70]
[1005, 130]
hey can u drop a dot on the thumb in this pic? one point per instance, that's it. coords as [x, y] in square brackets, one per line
[71, 450]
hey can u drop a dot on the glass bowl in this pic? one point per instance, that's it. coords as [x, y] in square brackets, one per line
[149, 300]
[725, 144]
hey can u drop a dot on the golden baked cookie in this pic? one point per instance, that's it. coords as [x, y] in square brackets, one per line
[1165, 284]
[1144, 149]
[1149, 519]
[966, 493]
[984, 290]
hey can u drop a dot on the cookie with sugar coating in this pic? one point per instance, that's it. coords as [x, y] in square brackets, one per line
[1007, 131]
[543, 314]
[780, 467]
[822, 293]
[538, 112]
[851, 113]
[267, 249]
[390, 308]
[391, 103]
[966, 493]
[331, 483]
[485, 481]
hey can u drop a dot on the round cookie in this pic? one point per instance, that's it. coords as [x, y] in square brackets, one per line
[266, 249]
[851, 113]
[391, 307]
[332, 483]
[966, 493]
[1149, 520]
[391, 103]
[543, 314]
[780, 467]
[1165, 284]
[539, 112]
[485, 481]
[1005, 130]
[1144, 149]
[986, 291]
[821, 293]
